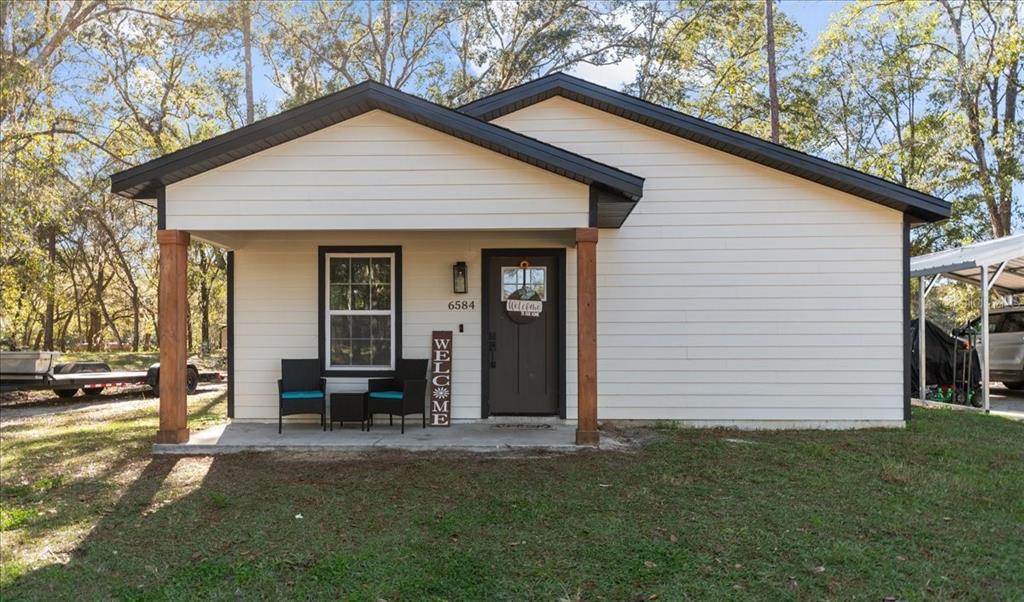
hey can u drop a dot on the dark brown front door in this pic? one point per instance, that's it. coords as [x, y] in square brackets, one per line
[521, 338]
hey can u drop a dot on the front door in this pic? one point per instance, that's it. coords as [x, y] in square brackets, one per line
[522, 310]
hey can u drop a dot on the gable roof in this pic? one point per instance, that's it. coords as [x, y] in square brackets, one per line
[924, 207]
[617, 190]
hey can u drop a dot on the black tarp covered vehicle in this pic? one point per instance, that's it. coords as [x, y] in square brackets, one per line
[951, 364]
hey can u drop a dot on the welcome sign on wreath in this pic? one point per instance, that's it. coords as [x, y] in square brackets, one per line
[523, 290]
[441, 378]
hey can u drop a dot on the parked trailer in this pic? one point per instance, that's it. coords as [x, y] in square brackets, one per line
[37, 370]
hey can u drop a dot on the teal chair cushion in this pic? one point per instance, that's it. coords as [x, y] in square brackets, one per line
[302, 395]
[386, 395]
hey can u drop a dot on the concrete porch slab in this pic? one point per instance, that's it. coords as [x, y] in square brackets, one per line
[471, 437]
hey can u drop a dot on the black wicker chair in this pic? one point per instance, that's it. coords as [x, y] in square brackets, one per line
[402, 395]
[301, 390]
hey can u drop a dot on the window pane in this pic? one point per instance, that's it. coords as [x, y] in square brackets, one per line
[510, 276]
[361, 327]
[341, 352]
[1012, 322]
[380, 327]
[361, 270]
[382, 270]
[341, 327]
[380, 296]
[360, 296]
[362, 352]
[340, 296]
[381, 353]
[339, 269]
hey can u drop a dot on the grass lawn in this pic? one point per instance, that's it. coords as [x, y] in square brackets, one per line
[932, 512]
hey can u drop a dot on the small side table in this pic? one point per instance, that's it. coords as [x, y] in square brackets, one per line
[349, 407]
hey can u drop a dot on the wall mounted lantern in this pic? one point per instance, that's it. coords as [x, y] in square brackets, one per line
[460, 278]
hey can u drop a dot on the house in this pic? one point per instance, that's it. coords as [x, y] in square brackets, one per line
[623, 261]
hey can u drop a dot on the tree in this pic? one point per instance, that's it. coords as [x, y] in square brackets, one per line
[493, 46]
[773, 87]
[924, 94]
[318, 47]
[708, 59]
[87, 92]
[892, 91]
[982, 77]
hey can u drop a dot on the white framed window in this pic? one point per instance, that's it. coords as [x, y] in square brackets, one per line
[360, 301]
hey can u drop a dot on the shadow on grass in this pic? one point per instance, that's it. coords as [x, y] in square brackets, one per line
[105, 448]
[236, 535]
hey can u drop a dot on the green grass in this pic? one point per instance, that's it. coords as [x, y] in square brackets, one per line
[935, 511]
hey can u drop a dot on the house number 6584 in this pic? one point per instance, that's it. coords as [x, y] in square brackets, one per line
[461, 305]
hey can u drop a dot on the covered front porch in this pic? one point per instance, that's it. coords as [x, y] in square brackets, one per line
[280, 307]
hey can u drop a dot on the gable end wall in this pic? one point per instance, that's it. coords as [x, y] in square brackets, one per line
[736, 293]
[376, 171]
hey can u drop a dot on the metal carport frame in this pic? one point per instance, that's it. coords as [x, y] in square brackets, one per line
[993, 265]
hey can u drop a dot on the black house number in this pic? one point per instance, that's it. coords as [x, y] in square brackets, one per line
[461, 305]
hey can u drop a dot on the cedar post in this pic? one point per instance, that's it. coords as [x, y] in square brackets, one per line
[172, 324]
[586, 336]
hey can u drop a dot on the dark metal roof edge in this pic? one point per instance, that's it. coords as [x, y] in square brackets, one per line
[794, 162]
[363, 97]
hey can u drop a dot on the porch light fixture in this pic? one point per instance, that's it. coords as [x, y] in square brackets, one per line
[460, 277]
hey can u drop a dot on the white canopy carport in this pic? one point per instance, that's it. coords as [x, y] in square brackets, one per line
[993, 265]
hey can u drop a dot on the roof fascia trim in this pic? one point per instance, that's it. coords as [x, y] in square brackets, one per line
[920, 205]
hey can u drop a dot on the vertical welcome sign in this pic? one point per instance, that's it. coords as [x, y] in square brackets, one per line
[441, 378]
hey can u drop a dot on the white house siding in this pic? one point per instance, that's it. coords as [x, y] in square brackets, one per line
[276, 306]
[736, 294]
[372, 172]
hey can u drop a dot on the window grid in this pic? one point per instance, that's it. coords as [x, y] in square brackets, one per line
[350, 282]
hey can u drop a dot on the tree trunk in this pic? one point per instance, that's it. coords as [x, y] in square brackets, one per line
[136, 320]
[250, 107]
[773, 91]
[63, 338]
[967, 93]
[95, 326]
[51, 287]
[204, 300]
[100, 287]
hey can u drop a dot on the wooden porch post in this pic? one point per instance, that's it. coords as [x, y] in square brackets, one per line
[172, 325]
[586, 336]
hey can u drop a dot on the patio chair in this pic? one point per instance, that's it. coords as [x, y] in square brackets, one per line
[301, 391]
[402, 395]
